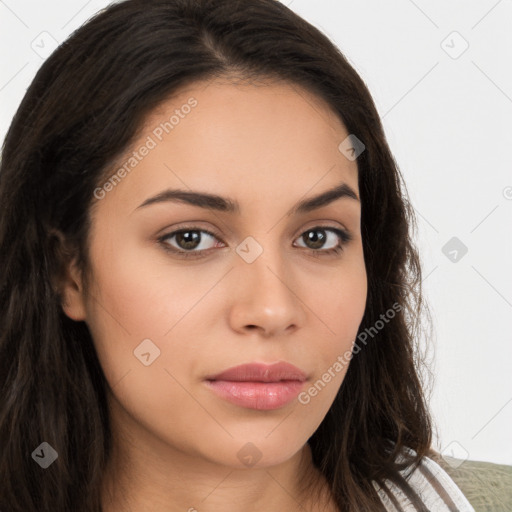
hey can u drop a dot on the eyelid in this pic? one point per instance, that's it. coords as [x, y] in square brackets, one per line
[322, 224]
[343, 234]
[195, 226]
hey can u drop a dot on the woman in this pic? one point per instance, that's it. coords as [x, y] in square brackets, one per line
[209, 294]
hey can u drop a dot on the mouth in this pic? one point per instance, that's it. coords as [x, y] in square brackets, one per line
[258, 386]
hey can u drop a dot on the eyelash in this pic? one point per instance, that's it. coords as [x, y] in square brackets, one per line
[345, 237]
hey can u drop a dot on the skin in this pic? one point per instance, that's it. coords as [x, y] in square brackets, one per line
[176, 443]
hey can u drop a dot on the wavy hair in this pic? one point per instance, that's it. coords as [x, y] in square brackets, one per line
[83, 109]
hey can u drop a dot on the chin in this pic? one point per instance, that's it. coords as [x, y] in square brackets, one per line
[257, 452]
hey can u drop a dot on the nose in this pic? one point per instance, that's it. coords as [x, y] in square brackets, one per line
[265, 297]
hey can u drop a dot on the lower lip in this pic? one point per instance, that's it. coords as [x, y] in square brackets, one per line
[262, 396]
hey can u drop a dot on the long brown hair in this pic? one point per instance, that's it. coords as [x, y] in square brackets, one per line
[82, 110]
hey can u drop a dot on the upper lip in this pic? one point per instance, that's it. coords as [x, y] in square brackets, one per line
[260, 372]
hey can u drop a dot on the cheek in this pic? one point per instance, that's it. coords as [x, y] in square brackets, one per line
[140, 313]
[342, 301]
[143, 296]
[341, 308]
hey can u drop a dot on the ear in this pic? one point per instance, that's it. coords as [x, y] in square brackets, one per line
[66, 277]
[72, 293]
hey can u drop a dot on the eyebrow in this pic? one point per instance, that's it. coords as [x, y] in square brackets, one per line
[224, 204]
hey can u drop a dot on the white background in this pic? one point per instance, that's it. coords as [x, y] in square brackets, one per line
[447, 116]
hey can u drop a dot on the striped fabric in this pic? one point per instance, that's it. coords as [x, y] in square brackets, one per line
[437, 490]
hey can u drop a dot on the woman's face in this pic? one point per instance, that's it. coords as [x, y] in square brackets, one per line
[265, 286]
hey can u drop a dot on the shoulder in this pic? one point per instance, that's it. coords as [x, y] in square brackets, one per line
[438, 492]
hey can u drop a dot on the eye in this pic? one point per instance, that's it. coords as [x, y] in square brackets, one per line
[190, 241]
[318, 236]
[194, 241]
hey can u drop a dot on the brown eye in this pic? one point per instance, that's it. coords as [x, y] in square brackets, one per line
[316, 238]
[189, 241]
[194, 241]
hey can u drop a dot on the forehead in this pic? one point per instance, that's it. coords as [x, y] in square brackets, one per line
[237, 139]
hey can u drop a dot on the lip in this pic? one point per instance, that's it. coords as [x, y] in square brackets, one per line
[257, 385]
